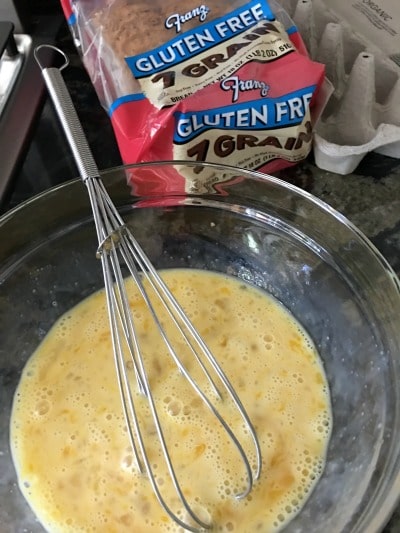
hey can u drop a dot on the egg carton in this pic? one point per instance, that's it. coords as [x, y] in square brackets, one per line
[359, 42]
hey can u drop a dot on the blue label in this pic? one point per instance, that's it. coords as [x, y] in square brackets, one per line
[204, 37]
[261, 114]
[123, 100]
[72, 19]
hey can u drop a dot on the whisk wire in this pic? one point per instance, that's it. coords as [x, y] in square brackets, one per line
[99, 213]
[179, 318]
[113, 236]
[124, 390]
[119, 308]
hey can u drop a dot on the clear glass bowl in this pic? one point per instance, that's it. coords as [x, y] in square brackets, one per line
[257, 228]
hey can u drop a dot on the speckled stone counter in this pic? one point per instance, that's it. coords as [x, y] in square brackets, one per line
[369, 197]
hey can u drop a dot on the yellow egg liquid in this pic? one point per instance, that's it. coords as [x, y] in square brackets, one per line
[69, 442]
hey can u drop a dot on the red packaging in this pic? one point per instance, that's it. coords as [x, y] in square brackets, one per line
[223, 82]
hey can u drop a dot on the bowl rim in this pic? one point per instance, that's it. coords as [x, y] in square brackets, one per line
[252, 174]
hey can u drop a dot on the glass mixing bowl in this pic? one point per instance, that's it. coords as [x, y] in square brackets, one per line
[257, 228]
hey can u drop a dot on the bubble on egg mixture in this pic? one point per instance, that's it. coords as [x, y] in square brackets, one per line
[70, 441]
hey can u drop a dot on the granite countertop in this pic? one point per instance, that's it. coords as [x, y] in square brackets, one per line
[369, 197]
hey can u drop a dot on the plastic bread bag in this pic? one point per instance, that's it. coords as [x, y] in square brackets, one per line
[223, 82]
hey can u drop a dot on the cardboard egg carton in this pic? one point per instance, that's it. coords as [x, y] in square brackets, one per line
[359, 42]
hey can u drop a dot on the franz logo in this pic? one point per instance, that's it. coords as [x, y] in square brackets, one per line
[176, 20]
[236, 85]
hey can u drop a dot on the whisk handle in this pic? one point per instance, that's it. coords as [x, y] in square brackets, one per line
[67, 115]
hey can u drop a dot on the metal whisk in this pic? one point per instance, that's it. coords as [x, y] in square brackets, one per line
[117, 245]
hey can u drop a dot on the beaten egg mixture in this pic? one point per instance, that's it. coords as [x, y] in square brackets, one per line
[69, 441]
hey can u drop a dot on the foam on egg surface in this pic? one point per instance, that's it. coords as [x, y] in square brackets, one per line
[68, 435]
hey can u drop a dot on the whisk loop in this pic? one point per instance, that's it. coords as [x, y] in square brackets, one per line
[117, 246]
